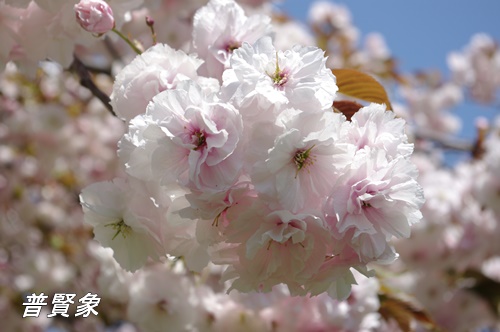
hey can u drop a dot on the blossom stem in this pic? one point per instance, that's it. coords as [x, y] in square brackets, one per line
[128, 41]
[151, 24]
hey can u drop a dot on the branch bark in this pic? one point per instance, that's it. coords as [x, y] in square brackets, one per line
[446, 142]
[86, 80]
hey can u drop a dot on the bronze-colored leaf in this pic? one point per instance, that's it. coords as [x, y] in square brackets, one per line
[404, 312]
[354, 83]
[346, 107]
[488, 289]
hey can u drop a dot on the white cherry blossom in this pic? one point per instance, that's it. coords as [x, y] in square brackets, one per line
[375, 198]
[261, 78]
[221, 27]
[199, 139]
[301, 167]
[158, 69]
[117, 224]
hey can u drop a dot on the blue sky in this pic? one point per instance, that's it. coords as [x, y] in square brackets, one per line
[421, 33]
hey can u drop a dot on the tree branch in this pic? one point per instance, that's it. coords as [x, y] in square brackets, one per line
[86, 80]
[446, 142]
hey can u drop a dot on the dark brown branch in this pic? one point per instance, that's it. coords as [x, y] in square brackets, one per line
[86, 80]
[97, 70]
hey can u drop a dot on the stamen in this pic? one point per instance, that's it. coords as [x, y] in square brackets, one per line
[302, 159]
[231, 46]
[120, 227]
[216, 219]
[200, 140]
[279, 77]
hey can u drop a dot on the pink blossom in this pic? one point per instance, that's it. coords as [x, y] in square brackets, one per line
[95, 16]
[221, 27]
[125, 220]
[275, 247]
[477, 67]
[301, 167]
[195, 139]
[374, 200]
[373, 126]
[429, 107]
[157, 69]
[169, 305]
[262, 78]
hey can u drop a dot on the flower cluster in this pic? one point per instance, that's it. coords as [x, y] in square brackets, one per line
[249, 167]
[477, 68]
[210, 181]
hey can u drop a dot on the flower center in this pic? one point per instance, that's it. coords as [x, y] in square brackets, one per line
[303, 158]
[279, 77]
[199, 140]
[120, 227]
[365, 204]
[231, 46]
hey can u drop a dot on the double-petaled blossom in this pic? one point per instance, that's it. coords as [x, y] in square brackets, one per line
[272, 247]
[375, 127]
[194, 139]
[158, 69]
[374, 200]
[263, 79]
[300, 168]
[221, 27]
[126, 220]
[170, 305]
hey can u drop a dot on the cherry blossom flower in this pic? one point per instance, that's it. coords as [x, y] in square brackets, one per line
[301, 167]
[171, 304]
[373, 126]
[261, 79]
[283, 248]
[199, 139]
[429, 108]
[124, 227]
[376, 199]
[476, 67]
[331, 19]
[221, 27]
[291, 33]
[158, 69]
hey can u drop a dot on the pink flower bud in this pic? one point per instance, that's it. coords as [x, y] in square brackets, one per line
[95, 16]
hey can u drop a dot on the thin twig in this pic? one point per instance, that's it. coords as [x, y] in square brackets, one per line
[127, 40]
[444, 141]
[86, 81]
